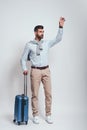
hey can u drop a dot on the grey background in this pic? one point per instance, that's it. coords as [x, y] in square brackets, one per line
[67, 60]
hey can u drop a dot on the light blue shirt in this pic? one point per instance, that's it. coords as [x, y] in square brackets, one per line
[42, 59]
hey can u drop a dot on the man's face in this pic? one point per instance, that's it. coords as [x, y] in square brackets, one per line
[39, 33]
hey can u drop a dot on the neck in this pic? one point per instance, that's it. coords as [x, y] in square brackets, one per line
[38, 39]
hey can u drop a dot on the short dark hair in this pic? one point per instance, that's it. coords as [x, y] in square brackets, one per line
[38, 27]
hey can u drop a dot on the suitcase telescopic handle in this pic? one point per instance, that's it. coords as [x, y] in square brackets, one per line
[25, 85]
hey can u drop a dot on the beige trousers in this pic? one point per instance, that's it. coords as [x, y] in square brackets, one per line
[37, 76]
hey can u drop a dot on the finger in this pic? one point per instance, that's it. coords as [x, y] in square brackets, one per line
[62, 18]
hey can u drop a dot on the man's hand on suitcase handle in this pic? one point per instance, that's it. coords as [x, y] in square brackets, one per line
[25, 72]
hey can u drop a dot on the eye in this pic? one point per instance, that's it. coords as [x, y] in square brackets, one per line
[41, 31]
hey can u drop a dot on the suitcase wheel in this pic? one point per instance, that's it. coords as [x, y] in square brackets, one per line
[19, 123]
[14, 120]
[26, 122]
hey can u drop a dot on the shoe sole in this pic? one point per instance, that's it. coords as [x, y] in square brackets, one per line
[35, 123]
[49, 122]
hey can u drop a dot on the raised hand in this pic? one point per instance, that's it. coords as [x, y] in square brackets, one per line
[61, 22]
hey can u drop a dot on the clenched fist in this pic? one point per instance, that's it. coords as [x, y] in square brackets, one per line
[25, 72]
[61, 22]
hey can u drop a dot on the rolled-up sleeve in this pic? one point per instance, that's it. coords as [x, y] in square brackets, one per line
[57, 39]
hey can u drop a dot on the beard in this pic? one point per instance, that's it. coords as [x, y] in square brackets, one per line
[40, 36]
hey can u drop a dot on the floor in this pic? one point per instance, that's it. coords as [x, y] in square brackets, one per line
[61, 122]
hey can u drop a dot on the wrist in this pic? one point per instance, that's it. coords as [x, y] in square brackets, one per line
[60, 26]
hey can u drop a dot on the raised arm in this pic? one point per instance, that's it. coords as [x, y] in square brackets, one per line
[59, 35]
[23, 59]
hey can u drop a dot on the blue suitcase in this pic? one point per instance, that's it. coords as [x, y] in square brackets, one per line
[21, 106]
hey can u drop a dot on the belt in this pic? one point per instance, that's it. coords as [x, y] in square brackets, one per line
[44, 67]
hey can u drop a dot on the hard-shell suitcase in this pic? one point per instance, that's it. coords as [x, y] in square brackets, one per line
[21, 106]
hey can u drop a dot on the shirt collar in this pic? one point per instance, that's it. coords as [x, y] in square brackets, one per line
[35, 41]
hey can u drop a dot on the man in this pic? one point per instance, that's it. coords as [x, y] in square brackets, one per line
[37, 51]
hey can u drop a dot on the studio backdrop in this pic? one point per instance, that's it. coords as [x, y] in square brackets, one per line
[67, 60]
